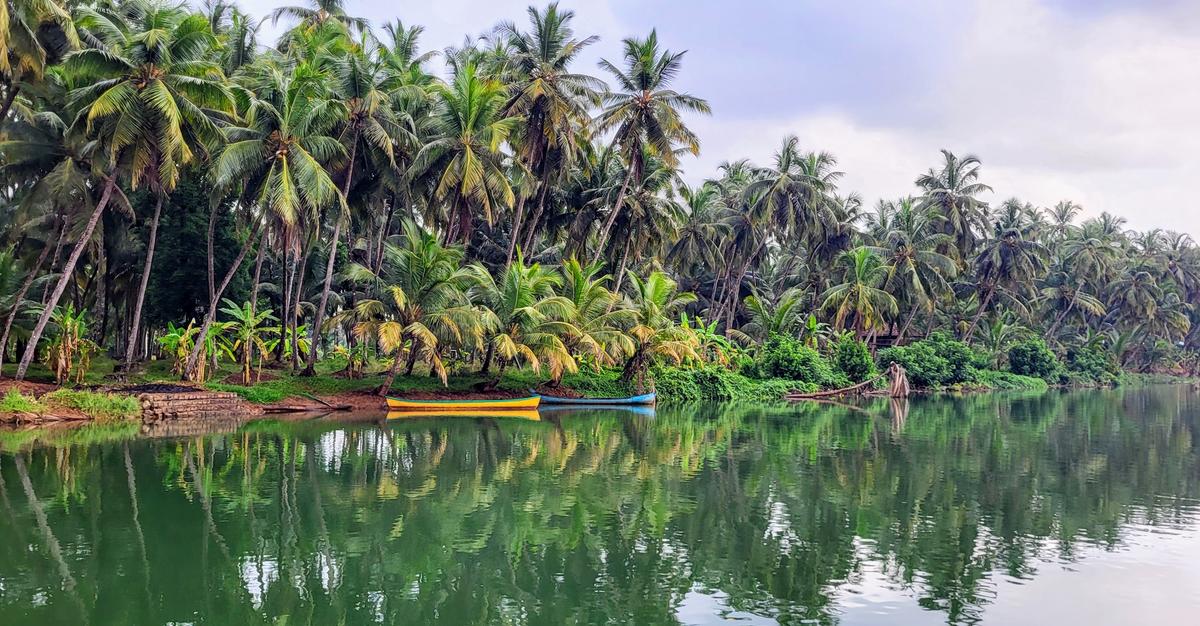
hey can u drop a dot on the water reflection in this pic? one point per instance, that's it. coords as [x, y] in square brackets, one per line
[912, 512]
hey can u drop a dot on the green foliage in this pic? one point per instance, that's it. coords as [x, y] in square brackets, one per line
[1033, 357]
[926, 369]
[786, 358]
[711, 384]
[1007, 381]
[1092, 365]
[938, 361]
[99, 406]
[16, 402]
[852, 358]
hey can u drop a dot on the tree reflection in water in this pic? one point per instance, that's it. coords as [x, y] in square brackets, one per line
[589, 517]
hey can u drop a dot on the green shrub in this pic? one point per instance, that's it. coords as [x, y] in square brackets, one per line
[852, 358]
[939, 361]
[1092, 365]
[1033, 357]
[710, 384]
[15, 402]
[960, 358]
[924, 367]
[785, 357]
[993, 379]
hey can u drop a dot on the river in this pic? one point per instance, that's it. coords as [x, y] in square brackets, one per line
[1065, 507]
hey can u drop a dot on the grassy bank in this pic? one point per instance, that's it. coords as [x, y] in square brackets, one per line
[71, 402]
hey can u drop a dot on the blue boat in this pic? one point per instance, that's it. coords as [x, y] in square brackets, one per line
[646, 399]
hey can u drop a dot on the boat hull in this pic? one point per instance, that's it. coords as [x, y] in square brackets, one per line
[505, 404]
[524, 414]
[645, 399]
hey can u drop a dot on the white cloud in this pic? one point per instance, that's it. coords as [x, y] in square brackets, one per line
[1095, 104]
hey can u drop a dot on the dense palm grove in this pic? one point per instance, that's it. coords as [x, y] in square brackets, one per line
[173, 187]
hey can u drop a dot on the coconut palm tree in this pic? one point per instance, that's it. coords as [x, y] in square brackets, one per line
[141, 94]
[645, 115]
[784, 315]
[951, 195]
[1009, 262]
[275, 161]
[1064, 294]
[367, 130]
[149, 95]
[529, 319]
[423, 302]
[318, 13]
[463, 164]
[859, 295]
[596, 318]
[655, 301]
[551, 100]
[917, 274]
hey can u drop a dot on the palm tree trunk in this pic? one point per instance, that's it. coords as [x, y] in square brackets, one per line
[319, 316]
[908, 322]
[621, 266]
[979, 314]
[131, 349]
[258, 263]
[383, 233]
[68, 270]
[395, 367]
[58, 244]
[516, 230]
[12, 314]
[612, 217]
[13, 90]
[211, 316]
[212, 228]
[537, 217]
[487, 359]
[1061, 316]
[297, 296]
[287, 275]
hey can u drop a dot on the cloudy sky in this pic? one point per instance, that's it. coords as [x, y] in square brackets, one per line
[1097, 101]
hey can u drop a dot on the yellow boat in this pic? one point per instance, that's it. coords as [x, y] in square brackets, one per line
[531, 414]
[475, 406]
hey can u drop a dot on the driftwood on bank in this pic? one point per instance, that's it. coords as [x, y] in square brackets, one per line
[897, 386]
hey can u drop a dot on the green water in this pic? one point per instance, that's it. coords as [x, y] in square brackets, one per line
[1074, 507]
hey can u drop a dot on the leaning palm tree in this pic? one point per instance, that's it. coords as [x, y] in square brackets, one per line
[463, 163]
[859, 295]
[645, 115]
[145, 95]
[152, 94]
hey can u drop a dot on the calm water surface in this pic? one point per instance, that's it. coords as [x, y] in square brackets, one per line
[1061, 508]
